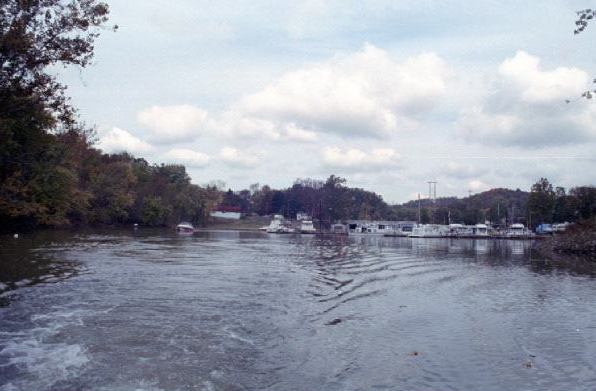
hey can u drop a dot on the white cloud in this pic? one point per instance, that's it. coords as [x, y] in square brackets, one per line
[235, 158]
[478, 186]
[366, 93]
[187, 157]
[534, 85]
[172, 124]
[234, 124]
[357, 160]
[296, 133]
[119, 140]
[461, 171]
[527, 107]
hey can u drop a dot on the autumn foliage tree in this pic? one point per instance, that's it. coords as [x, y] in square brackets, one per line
[50, 174]
[39, 181]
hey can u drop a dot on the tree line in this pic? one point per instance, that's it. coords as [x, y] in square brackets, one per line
[332, 200]
[327, 201]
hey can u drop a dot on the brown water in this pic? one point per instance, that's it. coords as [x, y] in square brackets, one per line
[148, 310]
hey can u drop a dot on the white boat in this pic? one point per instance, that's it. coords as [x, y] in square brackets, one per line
[279, 226]
[368, 227]
[307, 227]
[468, 231]
[430, 231]
[380, 227]
[518, 231]
[480, 230]
[560, 227]
[185, 228]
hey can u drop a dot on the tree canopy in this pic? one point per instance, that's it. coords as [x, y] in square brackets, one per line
[50, 174]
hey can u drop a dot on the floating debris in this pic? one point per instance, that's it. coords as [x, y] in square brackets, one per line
[414, 353]
[333, 322]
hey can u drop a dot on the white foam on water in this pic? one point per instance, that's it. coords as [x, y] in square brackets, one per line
[235, 336]
[23, 282]
[44, 364]
[140, 385]
[39, 360]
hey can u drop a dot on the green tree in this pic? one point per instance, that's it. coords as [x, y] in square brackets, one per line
[112, 187]
[155, 213]
[584, 201]
[38, 182]
[541, 202]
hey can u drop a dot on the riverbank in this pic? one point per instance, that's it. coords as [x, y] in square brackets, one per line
[578, 240]
[249, 223]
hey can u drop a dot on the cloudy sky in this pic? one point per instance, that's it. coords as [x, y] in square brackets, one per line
[389, 94]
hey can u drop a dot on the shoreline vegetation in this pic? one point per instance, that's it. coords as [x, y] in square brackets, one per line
[579, 241]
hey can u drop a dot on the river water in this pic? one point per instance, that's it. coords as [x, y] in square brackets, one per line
[149, 310]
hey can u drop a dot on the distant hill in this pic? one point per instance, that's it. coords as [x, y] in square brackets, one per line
[500, 206]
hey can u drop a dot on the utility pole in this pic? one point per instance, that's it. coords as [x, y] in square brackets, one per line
[418, 208]
[432, 189]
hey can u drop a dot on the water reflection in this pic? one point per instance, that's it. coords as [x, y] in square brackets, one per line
[23, 264]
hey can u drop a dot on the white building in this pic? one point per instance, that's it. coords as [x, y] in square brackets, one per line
[225, 215]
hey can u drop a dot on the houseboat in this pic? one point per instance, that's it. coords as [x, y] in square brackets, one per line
[307, 227]
[339, 229]
[387, 228]
[430, 231]
[468, 231]
[401, 229]
[518, 231]
[560, 227]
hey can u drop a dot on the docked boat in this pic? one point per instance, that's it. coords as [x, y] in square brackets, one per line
[307, 227]
[398, 233]
[518, 231]
[480, 231]
[369, 228]
[185, 228]
[339, 229]
[468, 231]
[430, 231]
[544, 229]
[279, 226]
[560, 227]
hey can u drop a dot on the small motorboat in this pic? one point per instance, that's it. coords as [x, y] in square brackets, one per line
[307, 227]
[279, 226]
[185, 228]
